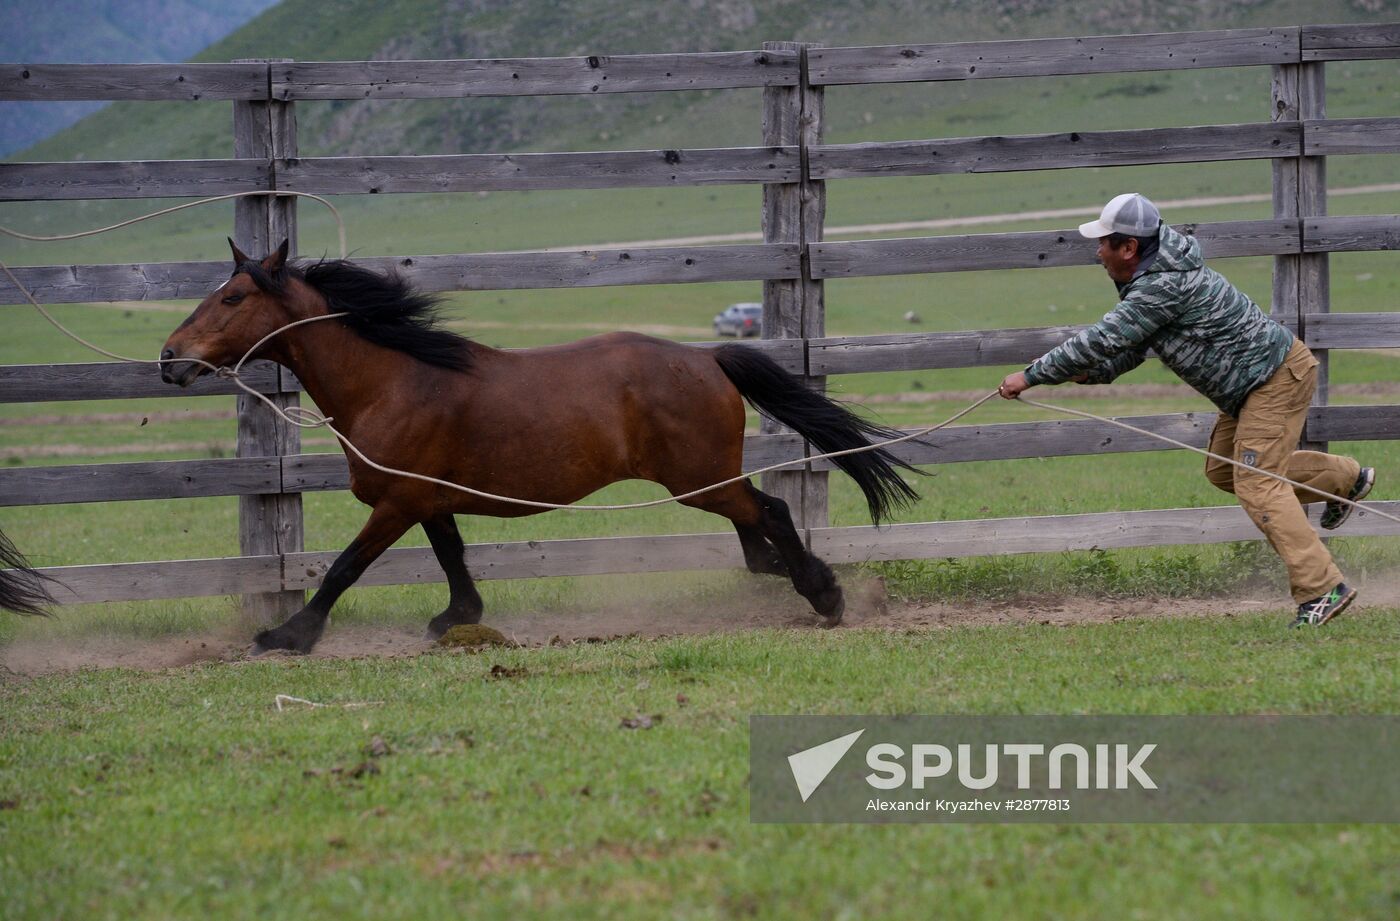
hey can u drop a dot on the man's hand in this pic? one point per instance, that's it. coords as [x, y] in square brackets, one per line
[1013, 386]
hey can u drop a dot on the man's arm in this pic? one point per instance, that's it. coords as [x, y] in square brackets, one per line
[1098, 354]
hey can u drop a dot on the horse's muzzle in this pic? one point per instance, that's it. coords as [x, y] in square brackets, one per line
[178, 372]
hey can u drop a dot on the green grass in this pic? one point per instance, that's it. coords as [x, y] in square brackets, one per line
[164, 795]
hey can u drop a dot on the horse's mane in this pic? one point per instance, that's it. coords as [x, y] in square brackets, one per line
[382, 307]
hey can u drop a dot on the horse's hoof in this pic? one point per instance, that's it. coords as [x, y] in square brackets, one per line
[831, 620]
[448, 619]
[268, 641]
[259, 651]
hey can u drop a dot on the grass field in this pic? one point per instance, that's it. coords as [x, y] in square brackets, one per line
[510, 788]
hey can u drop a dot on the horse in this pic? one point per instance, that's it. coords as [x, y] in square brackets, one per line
[550, 424]
[23, 589]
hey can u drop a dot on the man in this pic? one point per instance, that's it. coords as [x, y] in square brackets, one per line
[1259, 376]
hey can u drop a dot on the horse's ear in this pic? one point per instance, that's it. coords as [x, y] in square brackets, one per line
[273, 264]
[239, 257]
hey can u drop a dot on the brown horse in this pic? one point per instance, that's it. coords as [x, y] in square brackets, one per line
[549, 424]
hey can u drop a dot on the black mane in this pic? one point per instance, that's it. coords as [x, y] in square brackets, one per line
[382, 307]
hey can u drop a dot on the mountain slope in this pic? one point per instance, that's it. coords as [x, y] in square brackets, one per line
[112, 30]
[427, 29]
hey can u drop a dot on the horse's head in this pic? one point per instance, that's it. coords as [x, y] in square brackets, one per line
[231, 319]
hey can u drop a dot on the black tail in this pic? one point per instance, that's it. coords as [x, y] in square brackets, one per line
[22, 589]
[826, 423]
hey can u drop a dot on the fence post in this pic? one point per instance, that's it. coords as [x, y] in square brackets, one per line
[267, 524]
[795, 308]
[1302, 283]
[1314, 269]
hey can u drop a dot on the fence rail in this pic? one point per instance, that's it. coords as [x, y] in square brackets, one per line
[680, 552]
[792, 166]
[1065, 150]
[631, 73]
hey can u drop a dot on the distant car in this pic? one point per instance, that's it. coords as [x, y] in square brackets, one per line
[740, 320]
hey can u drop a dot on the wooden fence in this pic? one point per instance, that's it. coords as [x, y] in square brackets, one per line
[270, 473]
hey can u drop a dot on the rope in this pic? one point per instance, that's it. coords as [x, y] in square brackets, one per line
[339, 221]
[309, 418]
[1211, 454]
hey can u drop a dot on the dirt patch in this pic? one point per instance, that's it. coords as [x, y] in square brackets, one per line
[768, 608]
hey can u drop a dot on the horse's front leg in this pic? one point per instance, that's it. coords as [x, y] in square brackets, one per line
[464, 603]
[301, 631]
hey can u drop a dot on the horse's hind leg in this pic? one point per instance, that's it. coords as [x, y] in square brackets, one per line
[760, 556]
[464, 603]
[301, 631]
[768, 517]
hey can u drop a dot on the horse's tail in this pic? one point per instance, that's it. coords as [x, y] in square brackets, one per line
[23, 589]
[827, 424]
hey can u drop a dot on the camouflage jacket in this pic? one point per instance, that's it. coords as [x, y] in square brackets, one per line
[1202, 327]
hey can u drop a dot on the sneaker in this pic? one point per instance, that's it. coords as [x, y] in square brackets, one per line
[1337, 512]
[1319, 611]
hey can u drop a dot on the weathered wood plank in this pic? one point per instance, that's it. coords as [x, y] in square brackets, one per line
[920, 351]
[164, 579]
[533, 559]
[68, 180]
[267, 524]
[1037, 249]
[112, 380]
[1357, 42]
[67, 284]
[1353, 423]
[321, 472]
[630, 73]
[1058, 533]
[509, 172]
[1053, 56]
[1353, 331]
[141, 480]
[85, 284]
[675, 552]
[957, 444]
[1073, 437]
[55, 82]
[592, 268]
[1314, 269]
[790, 354]
[784, 299]
[1351, 234]
[1284, 185]
[1322, 137]
[1053, 438]
[979, 348]
[1065, 150]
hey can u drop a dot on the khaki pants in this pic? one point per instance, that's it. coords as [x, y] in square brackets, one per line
[1265, 436]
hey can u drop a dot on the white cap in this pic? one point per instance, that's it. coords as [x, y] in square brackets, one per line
[1129, 214]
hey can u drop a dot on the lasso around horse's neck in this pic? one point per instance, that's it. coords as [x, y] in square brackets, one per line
[310, 418]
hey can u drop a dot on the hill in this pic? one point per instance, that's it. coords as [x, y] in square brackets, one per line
[435, 29]
[112, 30]
[403, 29]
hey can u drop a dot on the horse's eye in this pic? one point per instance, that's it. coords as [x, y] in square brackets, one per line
[233, 299]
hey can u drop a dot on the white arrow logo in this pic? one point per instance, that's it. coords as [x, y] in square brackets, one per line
[811, 767]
